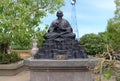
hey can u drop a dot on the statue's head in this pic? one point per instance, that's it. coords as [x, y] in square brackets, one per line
[59, 13]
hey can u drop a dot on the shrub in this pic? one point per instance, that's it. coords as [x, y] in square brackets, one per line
[18, 47]
[9, 58]
[93, 43]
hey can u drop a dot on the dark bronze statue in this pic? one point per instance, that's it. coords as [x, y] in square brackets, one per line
[60, 28]
[60, 40]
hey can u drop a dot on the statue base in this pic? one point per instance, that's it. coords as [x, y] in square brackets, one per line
[60, 46]
[61, 70]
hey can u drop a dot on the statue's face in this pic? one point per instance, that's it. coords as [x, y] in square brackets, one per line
[59, 14]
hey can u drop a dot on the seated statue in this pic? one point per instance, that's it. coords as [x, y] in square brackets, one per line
[60, 40]
[60, 28]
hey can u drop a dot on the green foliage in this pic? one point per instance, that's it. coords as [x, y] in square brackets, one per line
[93, 43]
[18, 47]
[117, 78]
[40, 37]
[9, 58]
[107, 74]
[19, 19]
[113, 29]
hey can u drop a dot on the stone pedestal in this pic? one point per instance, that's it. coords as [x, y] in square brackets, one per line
[60, 70]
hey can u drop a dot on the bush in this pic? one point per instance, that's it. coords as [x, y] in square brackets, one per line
[9, 58]
[93, 43]
[18, 47]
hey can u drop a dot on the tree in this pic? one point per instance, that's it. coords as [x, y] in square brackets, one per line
[93, 43]
[113, 28]
[19, 19]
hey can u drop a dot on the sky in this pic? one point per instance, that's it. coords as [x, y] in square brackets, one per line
[91, 15]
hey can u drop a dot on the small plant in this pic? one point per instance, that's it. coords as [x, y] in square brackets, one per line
[9, 58]
[14, 57]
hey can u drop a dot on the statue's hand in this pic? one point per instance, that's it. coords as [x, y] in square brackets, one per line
[56, 27]
[63, 29]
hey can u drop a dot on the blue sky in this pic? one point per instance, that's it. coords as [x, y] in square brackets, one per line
[92, 15]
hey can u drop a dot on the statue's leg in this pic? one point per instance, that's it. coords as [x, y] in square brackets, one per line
[51, 35]
[69, 35]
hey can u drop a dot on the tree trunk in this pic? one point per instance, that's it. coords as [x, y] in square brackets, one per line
[4, 48]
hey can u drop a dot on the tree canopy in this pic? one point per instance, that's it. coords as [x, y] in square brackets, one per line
[113, 28]
[93, 43]
[19, 19]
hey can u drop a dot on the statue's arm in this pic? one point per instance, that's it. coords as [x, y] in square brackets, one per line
[69, 28]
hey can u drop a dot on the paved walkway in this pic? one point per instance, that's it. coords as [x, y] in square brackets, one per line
[23, 76]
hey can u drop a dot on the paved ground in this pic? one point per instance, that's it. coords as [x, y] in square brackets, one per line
[23, 76]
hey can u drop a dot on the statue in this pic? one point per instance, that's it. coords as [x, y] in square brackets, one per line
[60, 28]
[60, 40]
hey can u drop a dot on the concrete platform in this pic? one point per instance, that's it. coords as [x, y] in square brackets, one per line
[61, 70]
